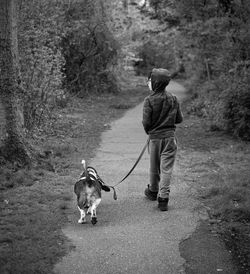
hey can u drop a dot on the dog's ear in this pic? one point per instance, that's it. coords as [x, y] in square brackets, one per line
[78, 187]
[105, 187]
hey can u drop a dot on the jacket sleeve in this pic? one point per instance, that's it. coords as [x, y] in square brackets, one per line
[179, 115]
[147, 115]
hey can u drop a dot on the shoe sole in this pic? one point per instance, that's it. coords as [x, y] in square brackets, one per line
[163, 209]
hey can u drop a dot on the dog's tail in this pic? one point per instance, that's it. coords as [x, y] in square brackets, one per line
[85, 170]
[84, 164]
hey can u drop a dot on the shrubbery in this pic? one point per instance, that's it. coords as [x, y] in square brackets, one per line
[41, 60]
[88, 52]
[237, 106]
[64, 47]
[214, 38]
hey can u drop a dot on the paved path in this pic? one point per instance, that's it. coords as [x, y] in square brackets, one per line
[132, 235]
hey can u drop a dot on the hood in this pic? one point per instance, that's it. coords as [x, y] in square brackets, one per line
[160, 78]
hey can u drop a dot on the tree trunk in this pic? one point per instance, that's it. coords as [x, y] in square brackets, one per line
[12, 144]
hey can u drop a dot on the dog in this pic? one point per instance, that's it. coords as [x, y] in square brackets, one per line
[88, 192]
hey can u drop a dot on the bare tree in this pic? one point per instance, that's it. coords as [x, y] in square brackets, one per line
[12, 143]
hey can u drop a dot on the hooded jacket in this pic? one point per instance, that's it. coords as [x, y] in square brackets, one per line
[161, 110]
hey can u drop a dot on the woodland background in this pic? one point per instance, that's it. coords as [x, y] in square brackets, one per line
[212, 37]
[66, 51]
[71, 67]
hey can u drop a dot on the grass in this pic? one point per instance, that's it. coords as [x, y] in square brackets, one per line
[34, 203]
[230, 204]
[11, 178]
[219, 171]
[30, 221]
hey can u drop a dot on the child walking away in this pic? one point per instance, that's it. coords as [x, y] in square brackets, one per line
[161, 113]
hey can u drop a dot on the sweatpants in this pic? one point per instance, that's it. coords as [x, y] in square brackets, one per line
[162, 158]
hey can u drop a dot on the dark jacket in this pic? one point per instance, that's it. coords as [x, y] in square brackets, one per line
[161, 110]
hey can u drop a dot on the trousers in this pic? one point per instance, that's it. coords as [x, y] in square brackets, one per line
[162, 159]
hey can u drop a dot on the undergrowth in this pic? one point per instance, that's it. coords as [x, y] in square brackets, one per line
[217, 169]
[11, 178]
[227, 195]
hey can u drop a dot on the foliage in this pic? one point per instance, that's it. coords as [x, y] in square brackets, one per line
[88, 52]
[64, 46]
[213, 37]
[237, 108]
[40, 27]
[163, 11]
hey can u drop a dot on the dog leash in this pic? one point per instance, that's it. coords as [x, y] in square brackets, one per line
[126, 176]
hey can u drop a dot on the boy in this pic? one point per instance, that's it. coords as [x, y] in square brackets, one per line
[161, 111]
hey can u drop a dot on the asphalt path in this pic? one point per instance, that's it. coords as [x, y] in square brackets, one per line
[132, 235]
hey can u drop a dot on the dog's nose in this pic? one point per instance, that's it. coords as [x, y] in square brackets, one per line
[86, 206]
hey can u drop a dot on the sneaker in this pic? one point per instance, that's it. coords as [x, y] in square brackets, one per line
[163, 204]
[150, 194]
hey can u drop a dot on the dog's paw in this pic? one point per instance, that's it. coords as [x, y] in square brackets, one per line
[93, 220]
[81, 221]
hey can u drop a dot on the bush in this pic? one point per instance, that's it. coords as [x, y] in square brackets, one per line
[237, 106]
[88, 53]
[163, 11]
[216, 45]
[64, 46]
[40, 28]
[226, 103]
[89, 50]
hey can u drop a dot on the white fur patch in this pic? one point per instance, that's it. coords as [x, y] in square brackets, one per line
[82, 217]
[84, 164]
[94, 206]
